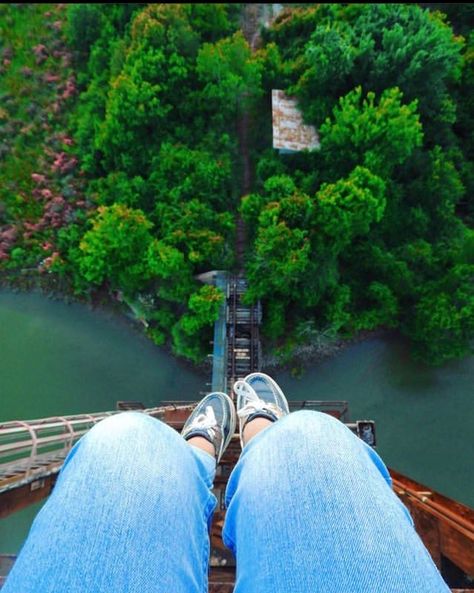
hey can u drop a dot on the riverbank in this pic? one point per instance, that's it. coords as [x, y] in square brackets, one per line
[296, 363]
[317, 351]
[57, 288]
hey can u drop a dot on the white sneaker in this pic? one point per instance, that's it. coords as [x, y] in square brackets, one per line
[214, 420]
[259, 396]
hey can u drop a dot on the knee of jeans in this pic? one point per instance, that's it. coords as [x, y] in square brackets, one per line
[131, 435]
[123, 427]
[319, 429]
[310, 420]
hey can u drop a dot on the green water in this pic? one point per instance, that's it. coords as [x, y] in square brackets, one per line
[66, 359]
[424, 416]
[58, 359]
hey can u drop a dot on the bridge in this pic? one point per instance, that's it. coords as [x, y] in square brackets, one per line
[236, 345]
[32, 452]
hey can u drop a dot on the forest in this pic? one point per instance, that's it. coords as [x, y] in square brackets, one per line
[121, 166]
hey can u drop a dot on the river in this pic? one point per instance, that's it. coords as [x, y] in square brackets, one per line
[61, 359]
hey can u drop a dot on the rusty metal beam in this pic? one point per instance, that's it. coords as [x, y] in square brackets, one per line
[445, 526]
[19, 498]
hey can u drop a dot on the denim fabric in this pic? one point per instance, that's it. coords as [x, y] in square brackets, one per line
[310, 509]
[129, 514]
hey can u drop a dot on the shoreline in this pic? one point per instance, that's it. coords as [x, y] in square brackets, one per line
[59, 289]
[56, 289]
[306, 355]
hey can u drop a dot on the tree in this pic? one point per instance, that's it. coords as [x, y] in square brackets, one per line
[119, 188]
[442, 326]
[437, 191]
[171, 274]
[134, 111]
[179, 174]
[377, 136]
[281, 261]
[275, 188]
[84, 26]
[142, 102]
[377, 46]
[347, 209]
[189, 339]
[232, 77]
[464, 127]
[115, 248]
[381, 308]
[197, 230]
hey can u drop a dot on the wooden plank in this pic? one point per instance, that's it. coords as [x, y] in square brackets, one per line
[176, 418]
[445, 526]
[221, 580]
[427, 527]
[457, 508]
[458, 547]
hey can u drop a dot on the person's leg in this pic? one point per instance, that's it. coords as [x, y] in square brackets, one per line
[129, 513]
[311, 509]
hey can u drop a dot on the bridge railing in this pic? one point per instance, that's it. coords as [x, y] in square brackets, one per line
[26, 439]
[29, 448]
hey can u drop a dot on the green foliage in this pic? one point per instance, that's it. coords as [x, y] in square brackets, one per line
[163, 91]
[133, 111]
[372, 230]
[157, 143]
[347, 209]
[464, 126]
[460, 16]
[382, 308]
[196, 229]
[115, 247]
[377, 243]
[120, 249]
[436, 193]
[204, 306]
[376, 45]
[119, 188]
[377, 136]
[180, 174]
[337, 310]
[274, 319]
[281, 260]
[189, 339]
[85, 24]
[298, 244]
[166, 263]
[231, 76]
[98, 34]
[443, 320]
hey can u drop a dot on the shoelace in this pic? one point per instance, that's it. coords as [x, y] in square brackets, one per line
[253, 403]
[206, 421]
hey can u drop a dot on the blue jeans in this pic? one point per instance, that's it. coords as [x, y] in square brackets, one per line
[310, 509]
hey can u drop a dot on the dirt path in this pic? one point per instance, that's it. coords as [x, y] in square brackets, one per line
[251, 29]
